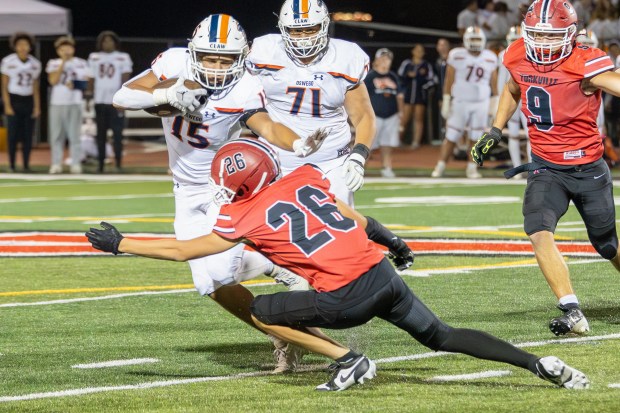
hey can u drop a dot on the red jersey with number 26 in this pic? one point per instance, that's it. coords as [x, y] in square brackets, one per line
[561, 117]
[295, 223]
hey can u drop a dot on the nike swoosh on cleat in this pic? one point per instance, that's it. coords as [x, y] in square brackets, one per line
[597, 177]
[345, 378]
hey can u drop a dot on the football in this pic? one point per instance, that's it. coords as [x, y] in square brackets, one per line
[166, 110]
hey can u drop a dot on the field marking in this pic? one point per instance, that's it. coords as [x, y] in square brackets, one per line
[125, 288]
[114, 296]
[97, 290]
[167, 383]
[467, 269]
[155, 217]
[614, 385]
[84, 198]
[249, 283]
[472, 376]
[115, 363]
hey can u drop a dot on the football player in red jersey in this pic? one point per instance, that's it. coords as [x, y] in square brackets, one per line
[296, 222]
[559, 83]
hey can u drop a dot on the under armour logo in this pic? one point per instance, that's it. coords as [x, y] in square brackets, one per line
[317, 77]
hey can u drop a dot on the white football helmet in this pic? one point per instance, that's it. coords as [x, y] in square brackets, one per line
[587, 38]
[513, 34]
[299, 14]
[218, 34]
[474, 39]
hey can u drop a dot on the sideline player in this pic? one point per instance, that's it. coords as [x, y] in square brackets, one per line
[517, 119]
[214, 58]
[471, 80]
[111, 68]
[559, 84]
[313, 81]
[299, 224]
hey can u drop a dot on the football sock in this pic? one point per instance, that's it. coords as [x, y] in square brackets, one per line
[347, 357]
[569, 301]
[484, 346]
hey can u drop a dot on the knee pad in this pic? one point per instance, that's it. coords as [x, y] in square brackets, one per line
[606, 244]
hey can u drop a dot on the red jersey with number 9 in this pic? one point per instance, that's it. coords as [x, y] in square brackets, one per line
[561, 117]
[295, 223]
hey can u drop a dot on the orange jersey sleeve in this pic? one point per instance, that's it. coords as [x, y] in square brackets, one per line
[561, 117]
[295, 223]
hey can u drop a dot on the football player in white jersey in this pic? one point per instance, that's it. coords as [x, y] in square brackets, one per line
[518, 119]
[313, 81]
[21, 96]
[471, 81]
[111, 69]
[214, 58]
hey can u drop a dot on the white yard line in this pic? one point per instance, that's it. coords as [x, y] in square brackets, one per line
[472, 376]
[115, 363]
[614, 385]
[84, 198]
[167, 383]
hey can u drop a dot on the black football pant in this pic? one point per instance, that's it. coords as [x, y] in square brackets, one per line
[108, 117]
[382, 293]
[20, 127]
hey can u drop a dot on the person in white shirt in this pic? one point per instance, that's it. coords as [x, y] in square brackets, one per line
[314, 81]
[68, 75]
[468, 16]
[471, 81]
[20, 94]
[518, 120]
[111, 68]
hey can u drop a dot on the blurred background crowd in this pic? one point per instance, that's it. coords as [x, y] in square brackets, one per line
[57, 90]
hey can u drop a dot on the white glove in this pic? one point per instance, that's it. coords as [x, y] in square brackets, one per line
[353, 171]
[445, 106]
[179, 96]
[311, 144]
[493, 105]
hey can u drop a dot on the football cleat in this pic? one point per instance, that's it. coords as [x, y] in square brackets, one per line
[347, 374]
[439, 170]
[288, 356]
[289, 279]
[472, 171]
[554, 370]
[572, 321]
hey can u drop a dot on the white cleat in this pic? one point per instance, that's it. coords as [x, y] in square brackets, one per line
[553, 369]
[347, 374]
[289, 279]
[472, 171]
[440, 168]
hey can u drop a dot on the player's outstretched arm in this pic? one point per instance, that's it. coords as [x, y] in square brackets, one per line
[400, 253]
[283, 137]
[109, 239]
[508, 104]
[607, 81]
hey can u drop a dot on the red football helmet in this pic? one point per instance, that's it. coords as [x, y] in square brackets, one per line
[241, 168]
[549, 30]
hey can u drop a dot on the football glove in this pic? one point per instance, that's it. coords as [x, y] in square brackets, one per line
[106, 239]
[400, 254]
[353, 171]
[311, 144]
[180, 97]
[484, 145]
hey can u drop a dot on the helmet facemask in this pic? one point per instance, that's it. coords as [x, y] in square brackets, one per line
[550, 50]
[304, 15]
[218, 35]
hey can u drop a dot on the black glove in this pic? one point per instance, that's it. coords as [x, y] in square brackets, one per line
[106, 239]
[484, 145]
[400, 254]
